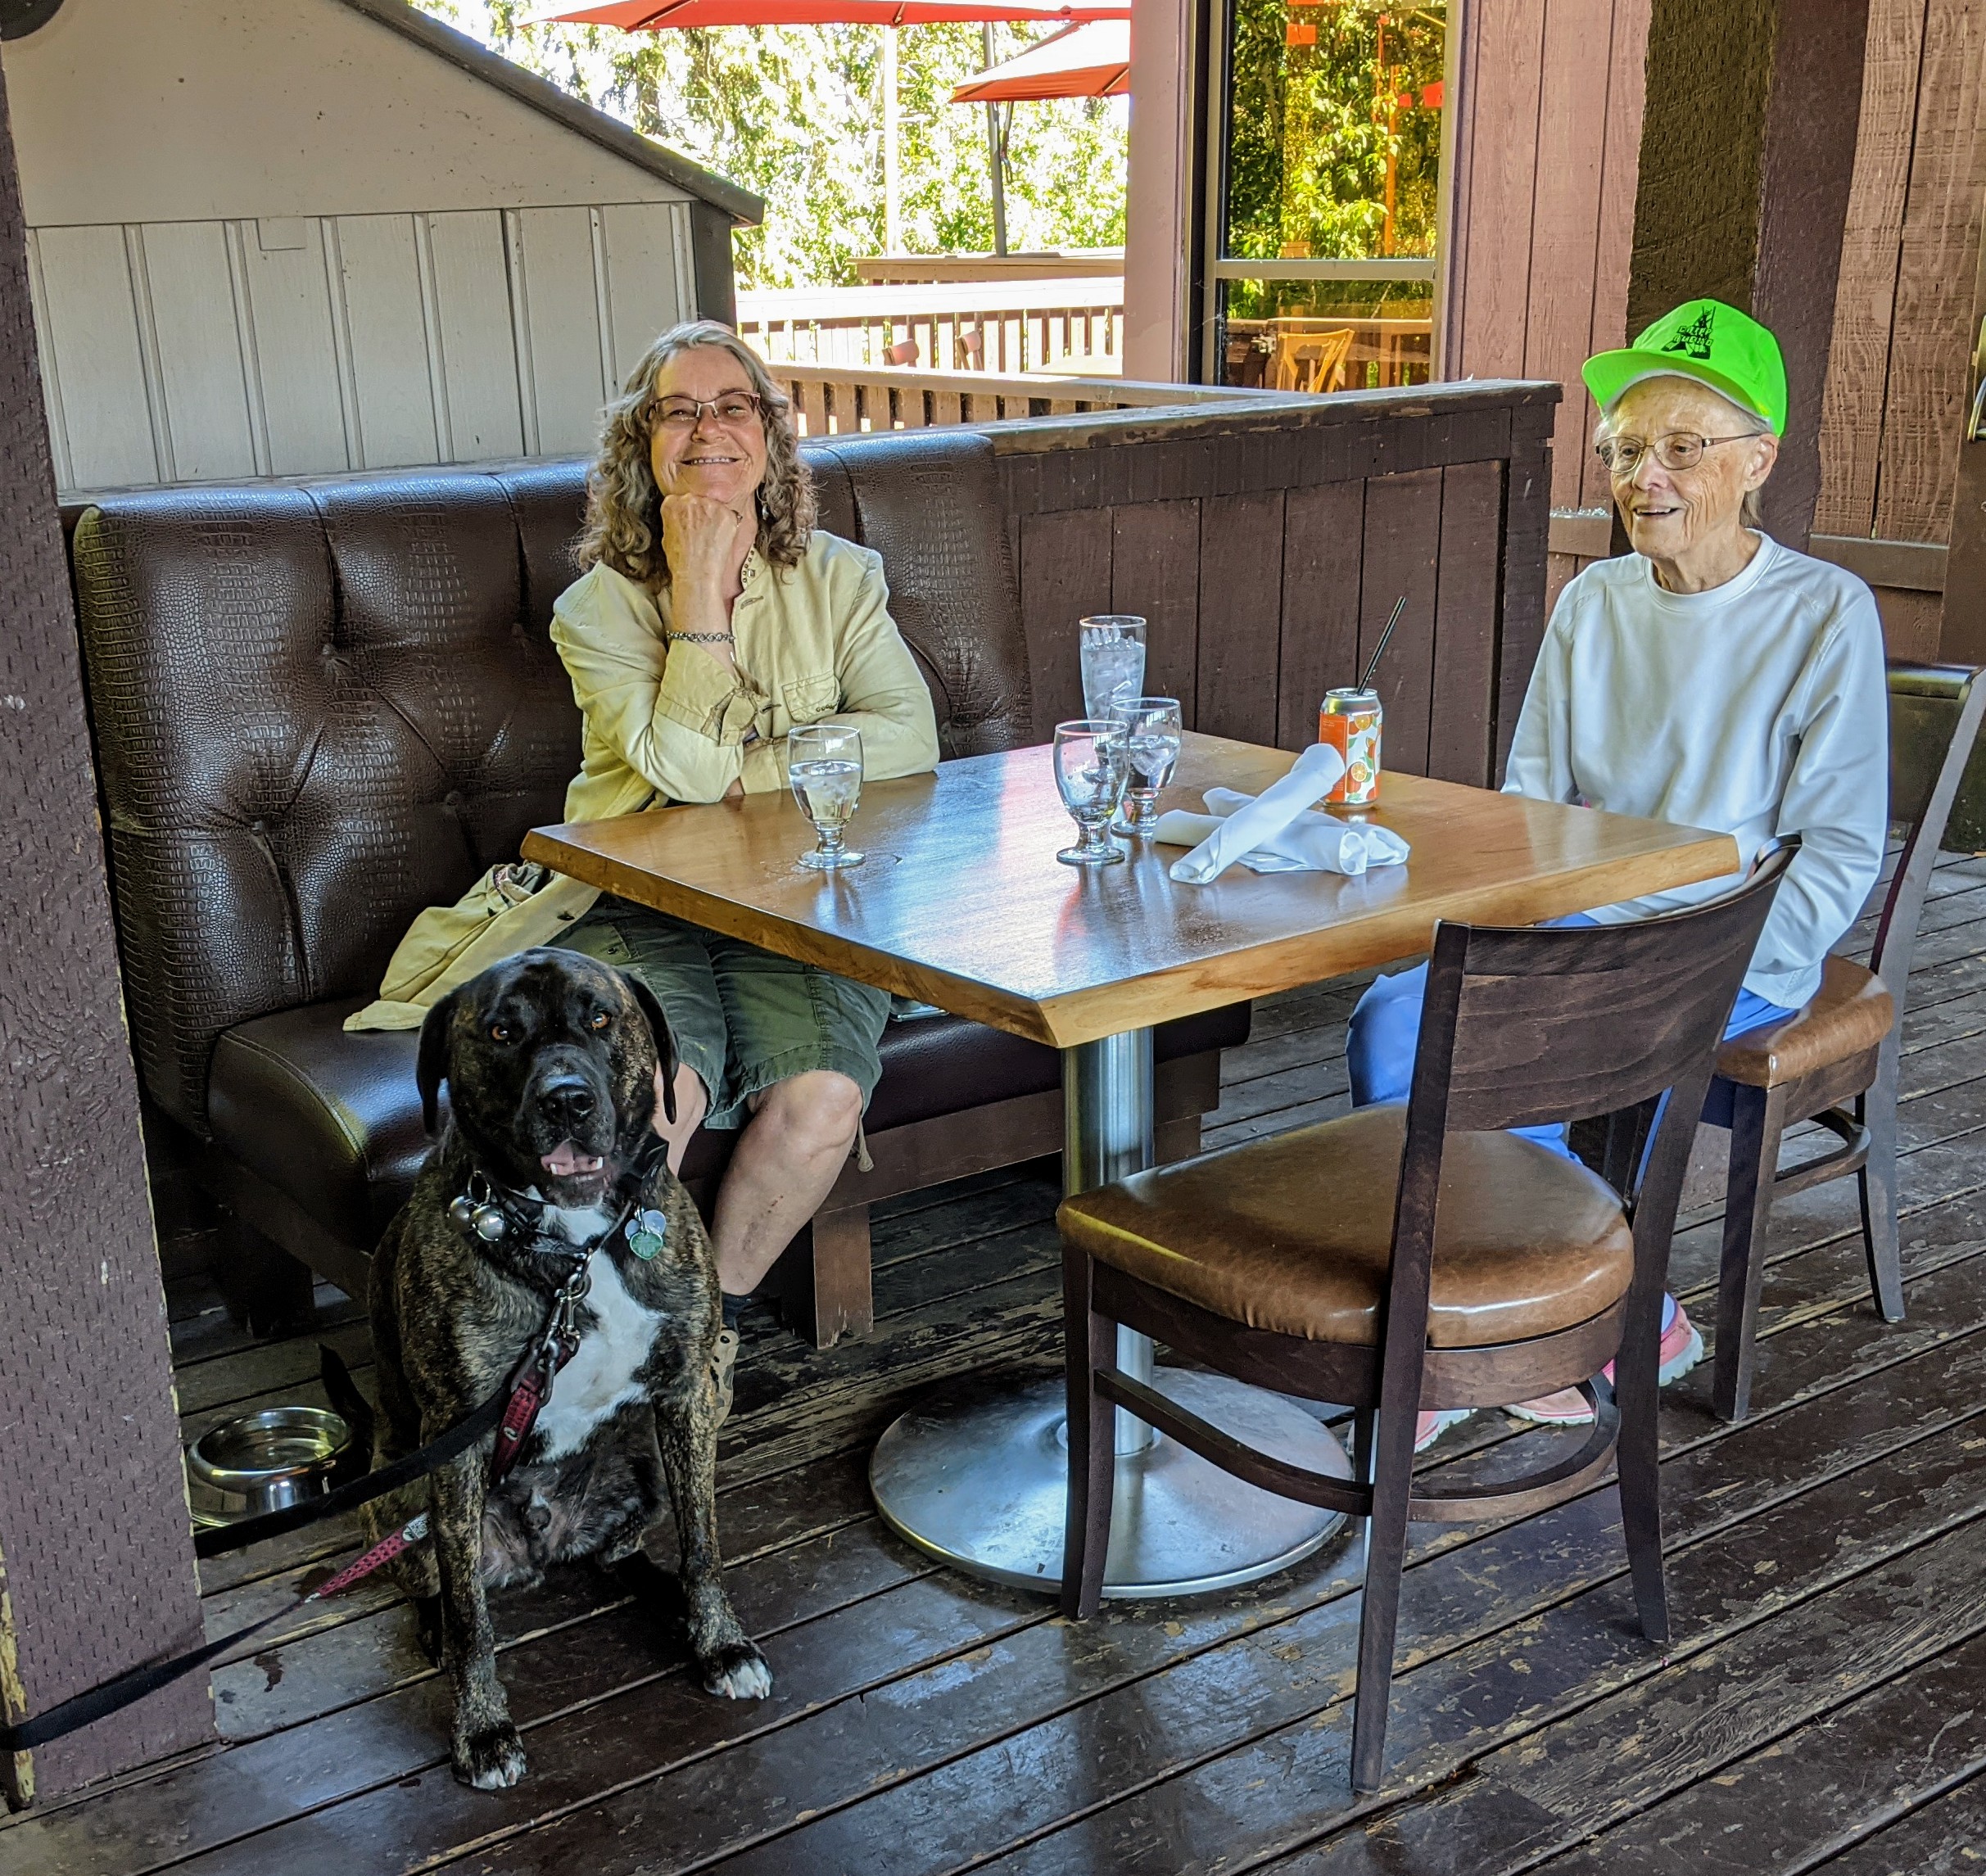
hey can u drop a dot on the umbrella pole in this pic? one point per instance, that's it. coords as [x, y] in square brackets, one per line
[893, 228]
[996, 152]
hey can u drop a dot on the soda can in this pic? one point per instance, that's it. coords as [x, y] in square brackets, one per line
[1350, 722]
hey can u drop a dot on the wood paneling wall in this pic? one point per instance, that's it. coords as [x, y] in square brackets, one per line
[1546, 150]
[203, 350]
[1266, 547]
[1898, 377]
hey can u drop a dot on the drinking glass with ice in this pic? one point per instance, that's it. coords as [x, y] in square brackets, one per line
[1152, 739]
[1113, 652]
[824, 766]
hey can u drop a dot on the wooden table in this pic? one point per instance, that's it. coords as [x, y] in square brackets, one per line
[961, 903]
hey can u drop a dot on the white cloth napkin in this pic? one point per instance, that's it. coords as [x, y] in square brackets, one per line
[1308, 842]
[1316, 773]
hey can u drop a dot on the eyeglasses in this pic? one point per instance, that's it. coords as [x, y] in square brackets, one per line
[1677, 450]
[733, 408]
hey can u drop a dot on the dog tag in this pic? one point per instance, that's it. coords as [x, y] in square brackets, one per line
[646, 1232]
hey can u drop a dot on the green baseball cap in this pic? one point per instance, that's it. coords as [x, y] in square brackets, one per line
[1706, 340]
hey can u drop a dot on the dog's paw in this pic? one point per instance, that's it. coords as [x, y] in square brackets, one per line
[737, 1672]
[492, 1759]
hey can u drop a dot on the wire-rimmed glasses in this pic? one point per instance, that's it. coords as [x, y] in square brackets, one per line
[1090, 772]
[1152, 739]
[1621, 456]
[733, 409]
[824, 767]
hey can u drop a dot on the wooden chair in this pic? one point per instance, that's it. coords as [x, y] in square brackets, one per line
[1312, 363]
[1835, 1061]
[1403, 1258]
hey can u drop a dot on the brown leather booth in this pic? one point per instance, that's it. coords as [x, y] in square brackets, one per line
[319, 708]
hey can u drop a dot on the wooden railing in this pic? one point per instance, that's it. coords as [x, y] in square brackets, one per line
[1001, 326]
[1048, 264]
[838, 400]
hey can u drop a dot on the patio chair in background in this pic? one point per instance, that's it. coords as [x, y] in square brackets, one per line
[1313, 361]
[1318, 1262]
[1836, 1061]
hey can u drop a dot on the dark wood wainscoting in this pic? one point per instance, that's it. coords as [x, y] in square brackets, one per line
[1266, 545]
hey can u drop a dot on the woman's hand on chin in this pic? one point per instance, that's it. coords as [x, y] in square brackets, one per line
[704, 542]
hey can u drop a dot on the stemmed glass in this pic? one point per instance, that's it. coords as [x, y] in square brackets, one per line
[1090, 772]
[1152, 738]
[824, 766]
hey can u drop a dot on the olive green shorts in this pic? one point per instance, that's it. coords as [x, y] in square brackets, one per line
[742, 1018]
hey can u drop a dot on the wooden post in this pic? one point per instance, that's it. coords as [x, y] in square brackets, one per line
[1747, 146]
[96, 1557]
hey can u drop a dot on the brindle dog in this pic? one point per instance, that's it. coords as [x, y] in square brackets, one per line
[550, 1061]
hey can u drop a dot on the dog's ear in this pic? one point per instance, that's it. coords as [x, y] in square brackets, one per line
[431, 1069]
[665, 1041]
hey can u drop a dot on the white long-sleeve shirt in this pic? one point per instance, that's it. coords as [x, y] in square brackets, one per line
[1757, 708]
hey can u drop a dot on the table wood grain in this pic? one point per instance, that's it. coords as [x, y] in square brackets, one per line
[962, 903]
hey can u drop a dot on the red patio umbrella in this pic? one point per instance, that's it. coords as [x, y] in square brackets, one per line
[649, 15]
[1091, 59]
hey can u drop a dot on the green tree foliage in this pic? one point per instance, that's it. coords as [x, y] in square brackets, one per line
[1331, 105]
[793, 114]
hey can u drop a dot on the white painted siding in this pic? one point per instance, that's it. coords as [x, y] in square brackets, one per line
[204, 350]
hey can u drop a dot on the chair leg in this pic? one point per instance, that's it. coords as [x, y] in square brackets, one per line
[1386, 1552]
[1637, 1457]
[1090, 1342]
[1758, 1117]
[1877, 1111]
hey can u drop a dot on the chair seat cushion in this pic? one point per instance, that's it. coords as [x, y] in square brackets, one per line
[1293, 1234]
[334, 1120]
[1850, 1014]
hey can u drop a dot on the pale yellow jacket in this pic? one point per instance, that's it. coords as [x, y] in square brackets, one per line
[667, 723]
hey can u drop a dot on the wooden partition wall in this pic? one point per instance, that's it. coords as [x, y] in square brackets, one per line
[1266, 545]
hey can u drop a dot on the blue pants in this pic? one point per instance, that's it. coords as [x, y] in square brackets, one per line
[1385, 1027]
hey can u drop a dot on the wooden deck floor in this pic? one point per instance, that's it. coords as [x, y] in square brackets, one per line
[1820, 1707]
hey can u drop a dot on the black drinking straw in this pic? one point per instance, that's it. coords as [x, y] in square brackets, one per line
[1399, 606]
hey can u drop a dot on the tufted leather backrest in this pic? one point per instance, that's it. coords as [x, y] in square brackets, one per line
[320, 709]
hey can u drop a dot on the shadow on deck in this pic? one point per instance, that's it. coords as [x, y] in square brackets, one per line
[1818, 1709]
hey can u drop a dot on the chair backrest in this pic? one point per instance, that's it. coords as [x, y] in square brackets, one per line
[1542, 1024]
[318, 709]
[1934, 715]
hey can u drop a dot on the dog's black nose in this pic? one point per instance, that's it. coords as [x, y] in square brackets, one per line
[568, 1098]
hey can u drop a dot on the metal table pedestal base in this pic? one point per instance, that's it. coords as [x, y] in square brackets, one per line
[978, 1478]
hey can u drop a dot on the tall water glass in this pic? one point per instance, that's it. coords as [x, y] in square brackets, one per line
[1152, 738]
[1090, 772]
[1112, 648]
[824, 766]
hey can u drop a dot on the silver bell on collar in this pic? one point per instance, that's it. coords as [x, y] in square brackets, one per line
[475, 1210]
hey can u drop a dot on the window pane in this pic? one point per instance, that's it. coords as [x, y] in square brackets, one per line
[1325, 335]
[1334, 129]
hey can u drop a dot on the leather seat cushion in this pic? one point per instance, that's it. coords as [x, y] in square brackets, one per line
[1293, 1234]
[1848, 1014]
[333, 1119]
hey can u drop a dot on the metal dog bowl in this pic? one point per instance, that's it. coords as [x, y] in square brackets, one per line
[264, 1462]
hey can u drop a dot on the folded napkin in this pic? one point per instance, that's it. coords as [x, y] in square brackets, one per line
[1308, 842]
[1316, 773]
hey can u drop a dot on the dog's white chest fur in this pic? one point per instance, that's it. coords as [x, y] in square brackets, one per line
[599, 1379]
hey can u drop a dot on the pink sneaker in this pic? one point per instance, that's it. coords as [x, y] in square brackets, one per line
[1431, 1425]
[1682, 1348]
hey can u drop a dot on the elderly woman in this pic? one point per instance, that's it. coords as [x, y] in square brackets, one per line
[713, 616]
[1713, 678]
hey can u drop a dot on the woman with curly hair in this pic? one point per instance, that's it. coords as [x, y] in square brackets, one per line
[712, 616]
